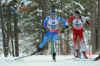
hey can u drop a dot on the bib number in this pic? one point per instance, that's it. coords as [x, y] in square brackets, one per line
[53, 25]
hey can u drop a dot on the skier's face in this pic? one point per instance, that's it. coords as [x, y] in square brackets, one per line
[77, 16]
[52, 15]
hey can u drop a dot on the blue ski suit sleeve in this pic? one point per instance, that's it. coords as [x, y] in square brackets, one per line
[45, 22]
[65, 23]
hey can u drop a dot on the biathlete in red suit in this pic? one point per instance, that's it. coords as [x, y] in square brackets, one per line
[77, 28]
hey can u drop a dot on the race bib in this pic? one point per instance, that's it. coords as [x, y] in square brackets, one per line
[52, 24]
[77, 23]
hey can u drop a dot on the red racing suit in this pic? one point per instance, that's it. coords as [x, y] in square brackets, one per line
[78, 29]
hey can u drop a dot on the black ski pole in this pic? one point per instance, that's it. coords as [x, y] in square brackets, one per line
[27, 55]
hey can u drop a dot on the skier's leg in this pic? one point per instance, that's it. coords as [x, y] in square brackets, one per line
[75, 37]
[82, 45]
[46, 38]
[55, 42]
[54, 56]
[44, 41]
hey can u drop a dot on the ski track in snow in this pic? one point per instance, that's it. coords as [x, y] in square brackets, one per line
[45, 60]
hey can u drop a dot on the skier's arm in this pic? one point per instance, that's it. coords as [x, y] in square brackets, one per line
[89, 24]
[65, 23]
[88, 21]
[70, 20]
[45, 24]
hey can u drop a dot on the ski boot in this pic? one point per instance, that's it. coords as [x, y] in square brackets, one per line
[38, 50]
[77, 53]
[54, 57]
[84, 54]
[97, 58]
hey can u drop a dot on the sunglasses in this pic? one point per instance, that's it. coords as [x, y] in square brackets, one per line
[76, 15]
[52, 14]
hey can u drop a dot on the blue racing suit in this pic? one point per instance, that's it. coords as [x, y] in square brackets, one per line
[52, 24]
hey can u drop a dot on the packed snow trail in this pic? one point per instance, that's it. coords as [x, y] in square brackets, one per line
[45, 60]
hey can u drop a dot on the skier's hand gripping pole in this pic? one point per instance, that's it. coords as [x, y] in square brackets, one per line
[64, 29]
[44, 30]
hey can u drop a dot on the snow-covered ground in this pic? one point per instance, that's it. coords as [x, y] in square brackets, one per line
[46, 60]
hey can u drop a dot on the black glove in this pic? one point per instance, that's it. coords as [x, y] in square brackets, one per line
[63, 30]
[66, 27]
[87, 22]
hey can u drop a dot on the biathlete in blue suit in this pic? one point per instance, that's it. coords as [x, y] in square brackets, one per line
[50, 25]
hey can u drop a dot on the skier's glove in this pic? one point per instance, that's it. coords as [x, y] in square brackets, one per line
[63, 30]
[66, 27]
[44, 30]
